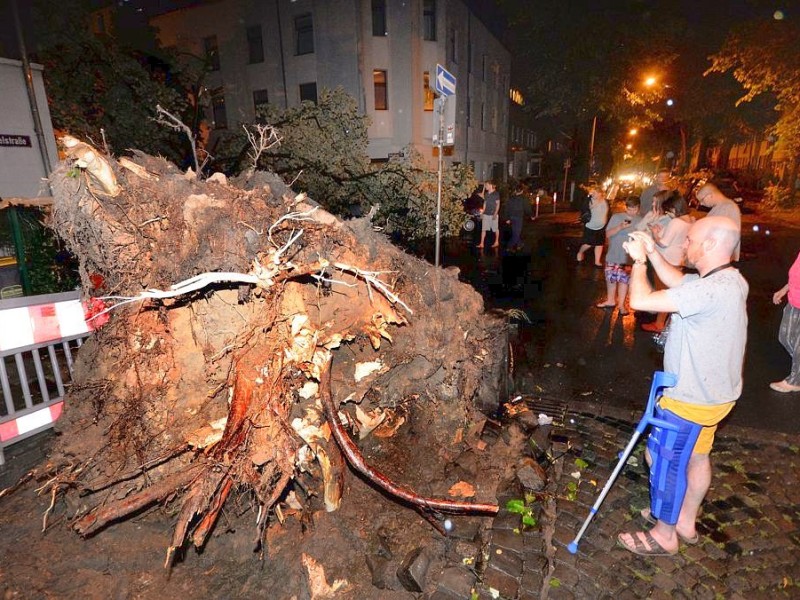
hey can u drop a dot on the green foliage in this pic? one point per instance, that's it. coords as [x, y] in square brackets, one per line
[96, 82]
[50, 269]
[323, 150]
[779, 196]
[524, 509]
[764, 57]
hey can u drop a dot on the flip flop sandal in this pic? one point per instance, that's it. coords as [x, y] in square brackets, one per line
[639, 548]
[605, 305]
[651, 520]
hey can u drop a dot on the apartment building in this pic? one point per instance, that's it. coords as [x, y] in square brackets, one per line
[382, 52]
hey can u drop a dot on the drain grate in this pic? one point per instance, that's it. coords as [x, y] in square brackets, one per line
[553, 408]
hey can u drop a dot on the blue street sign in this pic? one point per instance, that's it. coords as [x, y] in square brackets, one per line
[445, 81]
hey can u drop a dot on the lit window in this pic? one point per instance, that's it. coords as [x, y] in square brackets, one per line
[428, 100]
[255, 45]
[304, 33]
[379, 18]
[381, 97]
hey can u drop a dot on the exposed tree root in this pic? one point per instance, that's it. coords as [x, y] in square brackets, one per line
[425, 505]
[98, 518]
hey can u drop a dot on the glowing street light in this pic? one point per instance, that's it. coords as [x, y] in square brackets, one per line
[650, 81]
[633, 131]
[670, 101]
[629, 147]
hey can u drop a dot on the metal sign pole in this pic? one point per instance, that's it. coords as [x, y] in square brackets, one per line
[441, 104]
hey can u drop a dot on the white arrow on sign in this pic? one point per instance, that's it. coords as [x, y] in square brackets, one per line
[445, 81]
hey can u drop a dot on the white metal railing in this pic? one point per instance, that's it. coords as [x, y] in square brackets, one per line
[38, 336]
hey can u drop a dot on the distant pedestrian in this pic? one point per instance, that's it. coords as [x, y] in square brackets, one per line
[518, 208]
[721, 206]
[705, 350]
[490, 221]
[789, 333]
[594, 231]
[618, 262]
[661, 183]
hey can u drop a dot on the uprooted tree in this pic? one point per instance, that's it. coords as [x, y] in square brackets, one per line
[215, 375]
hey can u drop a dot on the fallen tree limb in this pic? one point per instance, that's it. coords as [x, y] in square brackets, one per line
[356, 460]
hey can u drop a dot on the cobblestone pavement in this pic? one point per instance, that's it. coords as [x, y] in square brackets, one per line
[749, 529]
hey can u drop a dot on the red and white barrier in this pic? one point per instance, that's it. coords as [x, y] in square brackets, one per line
[25, 325]
[30, 422]
[42, 323]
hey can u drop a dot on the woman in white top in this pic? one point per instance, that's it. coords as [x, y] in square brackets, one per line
[594, 232]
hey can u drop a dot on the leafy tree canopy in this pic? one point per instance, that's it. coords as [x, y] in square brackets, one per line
[99, 82]
[323, 151]
[764, 57]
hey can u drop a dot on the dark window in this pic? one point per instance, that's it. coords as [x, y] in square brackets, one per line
[218, 107]
[429, 20]
[428, 100]
[211, 48]
[452, 46]
[304, 34]
[381, 97]
[308, 91]
[379, 17]
[255, 45]
[260, 98]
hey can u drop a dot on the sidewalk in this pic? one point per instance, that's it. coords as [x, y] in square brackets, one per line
[750, 527]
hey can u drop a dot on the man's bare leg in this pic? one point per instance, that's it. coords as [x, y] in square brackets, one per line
[698, 480]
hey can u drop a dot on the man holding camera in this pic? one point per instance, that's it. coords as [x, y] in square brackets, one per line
[705, 349]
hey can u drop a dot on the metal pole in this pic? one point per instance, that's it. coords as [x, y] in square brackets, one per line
[591, 147]
[439, 185]
[28, 74]
[19, 249]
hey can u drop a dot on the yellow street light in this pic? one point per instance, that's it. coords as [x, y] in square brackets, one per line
[650, 81]
[633, 131]
[628, 147]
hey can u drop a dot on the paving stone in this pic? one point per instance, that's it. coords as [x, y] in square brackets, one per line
[560, 593]
[508, 540]
[413, 571]
[531, 581]
[441, 595]
[506, 520]
[508, 562]
[457, 580]
[466, 529]
[663, 582]
[507, 585]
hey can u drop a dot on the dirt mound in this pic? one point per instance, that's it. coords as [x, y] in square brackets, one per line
[238, 305]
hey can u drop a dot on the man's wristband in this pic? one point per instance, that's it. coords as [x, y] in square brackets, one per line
[640, 261]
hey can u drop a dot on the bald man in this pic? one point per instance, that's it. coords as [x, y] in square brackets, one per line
[705, 349]
[721, 206]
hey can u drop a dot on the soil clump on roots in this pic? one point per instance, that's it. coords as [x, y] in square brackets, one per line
[253, 337]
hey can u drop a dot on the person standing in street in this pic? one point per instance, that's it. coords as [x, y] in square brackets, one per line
[705, 350]
[618, 269]
[491, 208]
[660, 184]
[594, 235]
[789, 333]
[721, 206]
[518, 208]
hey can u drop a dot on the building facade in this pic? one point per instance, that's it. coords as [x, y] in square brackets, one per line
[382, 52]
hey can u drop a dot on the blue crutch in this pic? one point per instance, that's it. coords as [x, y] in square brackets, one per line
[661, 380]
